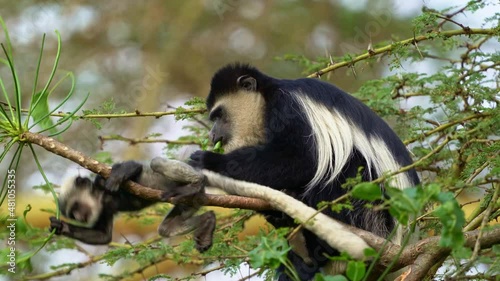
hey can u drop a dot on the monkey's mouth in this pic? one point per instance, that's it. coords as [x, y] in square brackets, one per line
[80, 212]
[215, 139]
[80, 216]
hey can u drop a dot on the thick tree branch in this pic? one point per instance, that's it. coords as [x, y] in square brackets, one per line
[50, 144]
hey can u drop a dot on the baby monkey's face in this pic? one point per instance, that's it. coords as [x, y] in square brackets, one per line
[80, 200]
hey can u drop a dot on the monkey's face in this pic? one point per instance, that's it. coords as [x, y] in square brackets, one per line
[238, 116]
[80, 200]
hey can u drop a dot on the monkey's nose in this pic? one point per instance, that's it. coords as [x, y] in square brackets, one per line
[81, 212]
[82, 216]
[215, 139]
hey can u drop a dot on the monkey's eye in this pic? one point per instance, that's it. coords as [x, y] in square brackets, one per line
[74, 209]
[215, 114]
[247, 83]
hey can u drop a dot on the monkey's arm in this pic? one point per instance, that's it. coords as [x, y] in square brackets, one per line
[101, 233]
[259, 164]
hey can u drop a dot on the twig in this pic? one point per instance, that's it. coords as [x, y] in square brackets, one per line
[251, 275]
[446, 126]
[477, 244]
[136, 113]
[390, 47]
[414, 164]
[134, 141]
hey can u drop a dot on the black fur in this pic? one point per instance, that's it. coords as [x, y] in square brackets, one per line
[287, 159]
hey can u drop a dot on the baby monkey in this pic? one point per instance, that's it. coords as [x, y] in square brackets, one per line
[95, 203]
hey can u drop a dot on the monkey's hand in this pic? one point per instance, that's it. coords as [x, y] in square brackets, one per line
[59, 226]
[206, 159]
[122, 172]
[196, 159]
[193, 192]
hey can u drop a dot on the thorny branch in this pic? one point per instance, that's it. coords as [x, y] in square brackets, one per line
[136, 113]
[390, 47]
[134, 141]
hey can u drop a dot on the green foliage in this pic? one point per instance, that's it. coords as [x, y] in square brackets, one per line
[14, 124]
[320, 277]
[407, 203]
[338, 207]
[452, 219]
[425, 21]
[104, 157]
[367, 191]
[272, 252]
[195, 103]
[106, 107]
[356, 270]
[495, 261]
[308, 65]
[41, 110]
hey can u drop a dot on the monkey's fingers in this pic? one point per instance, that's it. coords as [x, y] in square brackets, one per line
[196, 159]
[121, 172]
[56, 225]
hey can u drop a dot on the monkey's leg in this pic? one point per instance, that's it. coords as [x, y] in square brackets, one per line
[121, 172]
[193, 192]
[180, 220]
[177, 221]
[204, 232]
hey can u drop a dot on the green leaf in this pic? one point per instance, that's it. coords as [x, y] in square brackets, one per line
[367, 191]
[271, 253]
[218, 147]
[320, 277]
[452, 219]
[496, 249]
[462, 253]
[369, 252]
[41, 112]
[356, 270]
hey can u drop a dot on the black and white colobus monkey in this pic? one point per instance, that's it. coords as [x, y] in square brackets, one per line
[304, 137]
[96, 203]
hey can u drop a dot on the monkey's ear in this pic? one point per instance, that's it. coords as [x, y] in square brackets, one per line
[82, 181]
[247, 83]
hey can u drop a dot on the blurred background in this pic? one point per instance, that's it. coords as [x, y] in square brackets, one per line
[152, 55]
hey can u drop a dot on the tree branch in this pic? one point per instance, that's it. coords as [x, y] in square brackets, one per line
[50, 144]
[134, 141]
[390, 47]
